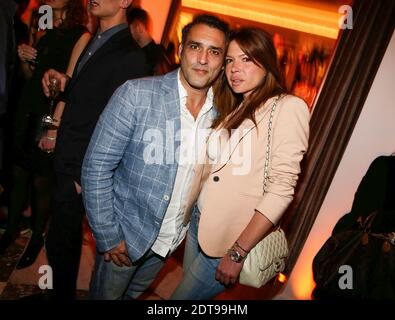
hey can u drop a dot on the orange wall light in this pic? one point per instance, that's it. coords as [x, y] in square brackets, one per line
[300, 17]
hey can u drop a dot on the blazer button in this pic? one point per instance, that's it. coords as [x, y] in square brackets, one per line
[216, 178]
[166, 197]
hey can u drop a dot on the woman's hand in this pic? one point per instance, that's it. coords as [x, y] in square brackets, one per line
[47, 144]
[228, 271]
[27, 53]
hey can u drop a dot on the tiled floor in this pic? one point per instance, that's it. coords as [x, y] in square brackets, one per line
[15, 284]
[8, 262]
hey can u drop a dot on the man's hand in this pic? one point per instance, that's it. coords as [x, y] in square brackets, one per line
[228, 271]
[52, 73]
[119, 255]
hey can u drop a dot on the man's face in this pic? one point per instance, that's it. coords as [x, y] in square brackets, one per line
[202, 56]
[105, 8]
[134, 29]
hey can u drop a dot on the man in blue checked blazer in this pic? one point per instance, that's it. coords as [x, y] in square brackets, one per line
[139, 164]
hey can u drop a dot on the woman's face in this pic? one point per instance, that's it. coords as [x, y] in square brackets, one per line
[242, 73]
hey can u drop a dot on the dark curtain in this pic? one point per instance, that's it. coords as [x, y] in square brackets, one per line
[173, 10]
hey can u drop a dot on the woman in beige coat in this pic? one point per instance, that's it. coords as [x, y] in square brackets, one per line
[230, 212]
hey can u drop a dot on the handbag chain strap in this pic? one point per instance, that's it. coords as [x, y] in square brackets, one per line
[269, 135]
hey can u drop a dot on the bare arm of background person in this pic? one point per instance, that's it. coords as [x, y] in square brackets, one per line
[48, 142]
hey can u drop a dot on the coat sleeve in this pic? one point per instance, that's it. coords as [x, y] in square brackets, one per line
[289, 143]
[105, 151]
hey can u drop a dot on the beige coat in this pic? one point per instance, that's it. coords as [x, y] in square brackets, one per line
[233, 190]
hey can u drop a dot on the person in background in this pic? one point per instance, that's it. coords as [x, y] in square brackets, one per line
[236, 208]
[135, 203]
[171, 54]
[32, 170]
[15, 85]
[140, 25]
[7, 49]
[108, 60]
[375, 194]
[91, 21]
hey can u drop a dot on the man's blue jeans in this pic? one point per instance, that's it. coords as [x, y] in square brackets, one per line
[110, 282]
[199, 281]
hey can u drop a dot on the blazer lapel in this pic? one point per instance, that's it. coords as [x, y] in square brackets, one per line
[171, 105]
[171, 96]
[228, 147]
[109, 45]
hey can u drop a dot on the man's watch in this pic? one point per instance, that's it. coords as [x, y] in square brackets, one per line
[235, 255]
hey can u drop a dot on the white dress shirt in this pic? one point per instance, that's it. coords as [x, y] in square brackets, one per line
[193, 136]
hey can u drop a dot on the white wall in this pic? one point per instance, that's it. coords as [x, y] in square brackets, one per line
[374, 135]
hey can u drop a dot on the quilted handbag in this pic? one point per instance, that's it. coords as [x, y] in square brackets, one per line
[267, 258]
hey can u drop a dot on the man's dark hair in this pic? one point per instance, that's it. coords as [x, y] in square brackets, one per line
[208, 20]
[138, 14]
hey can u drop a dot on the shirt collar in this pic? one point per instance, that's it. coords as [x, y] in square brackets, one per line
[110, 32]
[182, 92]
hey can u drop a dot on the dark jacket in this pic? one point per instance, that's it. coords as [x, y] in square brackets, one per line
[363, 251]
[7, 47]
[375, 192]
[88, 92]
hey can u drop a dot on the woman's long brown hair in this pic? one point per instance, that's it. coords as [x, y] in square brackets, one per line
[259, 47]
[75, 14]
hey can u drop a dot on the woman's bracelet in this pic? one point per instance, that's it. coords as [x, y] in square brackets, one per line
[50, 138]
[237, 245]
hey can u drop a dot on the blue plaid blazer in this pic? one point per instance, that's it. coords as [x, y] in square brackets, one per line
[131, 163]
